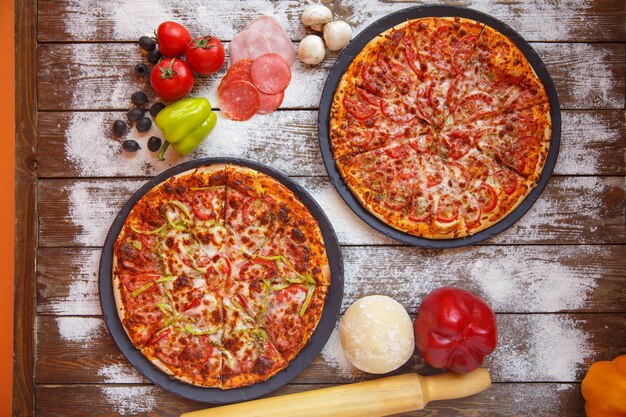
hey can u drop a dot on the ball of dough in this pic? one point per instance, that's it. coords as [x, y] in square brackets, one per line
[377, 334]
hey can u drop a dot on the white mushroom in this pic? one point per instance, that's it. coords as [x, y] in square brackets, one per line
[337, 34]
[315, 16]
[311, 50]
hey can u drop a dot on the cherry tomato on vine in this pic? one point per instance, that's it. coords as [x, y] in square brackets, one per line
[172, 38]
[205, 55]
[171, 79]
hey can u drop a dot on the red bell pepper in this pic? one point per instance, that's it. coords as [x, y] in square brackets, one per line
[455, 329]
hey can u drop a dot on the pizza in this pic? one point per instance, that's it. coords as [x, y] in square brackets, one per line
[440, 127]
[220, 276]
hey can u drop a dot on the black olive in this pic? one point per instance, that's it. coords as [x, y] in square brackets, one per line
[144, 124]
[139, 98]
[153, 56]
[135, 114]
[130, 146]
[156, 108]
[147, 43]
[154, 143]
[141, 69]
[119, 128]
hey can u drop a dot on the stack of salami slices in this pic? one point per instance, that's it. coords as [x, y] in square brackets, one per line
[254, 86]
[259, 73]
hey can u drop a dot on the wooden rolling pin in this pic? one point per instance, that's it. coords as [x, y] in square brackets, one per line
[376, 398]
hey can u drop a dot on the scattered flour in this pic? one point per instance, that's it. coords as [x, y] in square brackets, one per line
[120, 374]
[553, 348]
[90, 208]
[335, 358]
[585, 135]
[131, 400]
[80, 329]
[533, 283]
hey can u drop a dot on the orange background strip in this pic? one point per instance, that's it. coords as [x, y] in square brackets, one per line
[7, 190]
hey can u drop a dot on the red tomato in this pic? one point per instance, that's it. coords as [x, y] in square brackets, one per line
[171, 79]
[173, 39]
[447, 209]
[205, 55]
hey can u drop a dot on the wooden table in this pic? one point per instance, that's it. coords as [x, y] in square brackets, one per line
[556, 278]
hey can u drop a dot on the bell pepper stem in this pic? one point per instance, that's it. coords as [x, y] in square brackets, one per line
[166, 145]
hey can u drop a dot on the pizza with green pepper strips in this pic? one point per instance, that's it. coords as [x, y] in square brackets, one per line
[220, 276]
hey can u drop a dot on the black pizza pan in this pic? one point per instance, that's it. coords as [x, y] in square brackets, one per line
[216, 395]
[353, 49]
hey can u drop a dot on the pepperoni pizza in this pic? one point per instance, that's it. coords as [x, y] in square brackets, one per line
[440, 127]
[220, 276]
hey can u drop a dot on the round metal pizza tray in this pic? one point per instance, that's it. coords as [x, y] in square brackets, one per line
[215, 395]
[353, 49]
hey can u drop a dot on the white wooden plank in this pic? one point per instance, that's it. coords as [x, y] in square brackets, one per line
[122, 20]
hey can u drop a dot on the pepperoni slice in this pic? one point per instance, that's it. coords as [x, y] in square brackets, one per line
[487, 197]
[470, 210]
[269, 103]
[447, 209]
[507, 180]
[239, 100]
[358, 109]
[270, 73]
[421, 206]
[240, 70]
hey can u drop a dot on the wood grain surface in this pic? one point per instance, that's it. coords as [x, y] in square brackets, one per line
[556, 278]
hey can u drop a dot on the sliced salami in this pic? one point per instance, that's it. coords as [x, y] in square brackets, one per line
[270, 73]
[239, 71]
[239, 100]
[270, 102]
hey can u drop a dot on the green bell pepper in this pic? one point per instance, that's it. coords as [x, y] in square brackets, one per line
[185, 124]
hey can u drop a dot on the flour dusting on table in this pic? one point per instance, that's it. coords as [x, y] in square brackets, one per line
[80, 329]
[335, 358]
[120, 373]
[131, 400]
[553, 348]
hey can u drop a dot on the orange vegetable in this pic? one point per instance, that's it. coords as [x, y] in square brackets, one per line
[604, 388]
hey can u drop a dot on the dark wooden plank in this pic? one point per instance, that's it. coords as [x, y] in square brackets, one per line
[521, 279]
[540, 400]
[80, 212]
[100, 76]
[77, 350]
[79, 144]
[25, 208]
[590, 20]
